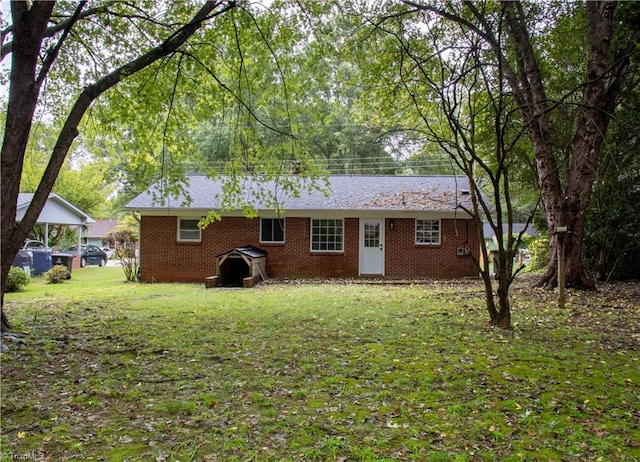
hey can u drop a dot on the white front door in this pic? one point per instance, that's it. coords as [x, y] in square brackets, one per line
[372, 246]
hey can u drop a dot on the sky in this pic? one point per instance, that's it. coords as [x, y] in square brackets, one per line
[4, 65]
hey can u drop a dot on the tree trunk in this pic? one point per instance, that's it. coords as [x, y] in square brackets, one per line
[503, 318]
[29, 28]
[567, 206]
[6, 325]
[575, 275]
[500, 314]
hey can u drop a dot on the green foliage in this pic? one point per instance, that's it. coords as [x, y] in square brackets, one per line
[612, 247]
[258, 111]
[56, 275]
[82, 181]
[526, 240]
[17, 279]
[611, 241]
[539, 251]
[126, 238]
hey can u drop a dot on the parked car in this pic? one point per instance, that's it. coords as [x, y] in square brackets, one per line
[31, 244]
[109, 251]
[89, 255]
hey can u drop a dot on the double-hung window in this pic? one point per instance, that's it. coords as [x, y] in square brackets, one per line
[272, 230]
[428, 232]
[189, 231]
[327, 235]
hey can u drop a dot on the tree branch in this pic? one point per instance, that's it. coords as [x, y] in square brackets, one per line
[52, 53]
[70, 128]
[7, 48]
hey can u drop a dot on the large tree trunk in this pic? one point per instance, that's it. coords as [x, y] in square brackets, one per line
[29, 28]
[603, 83]
[567, 205]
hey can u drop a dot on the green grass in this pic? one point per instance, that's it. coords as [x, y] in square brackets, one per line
[346, 372]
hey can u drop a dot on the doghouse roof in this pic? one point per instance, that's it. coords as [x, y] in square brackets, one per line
[339, 192]
[249, 251]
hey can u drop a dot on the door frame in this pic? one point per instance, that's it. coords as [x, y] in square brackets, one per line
[361, 254]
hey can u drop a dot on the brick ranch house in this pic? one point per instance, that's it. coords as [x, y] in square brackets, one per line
[385, 226]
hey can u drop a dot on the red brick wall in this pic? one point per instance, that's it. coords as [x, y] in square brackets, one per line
[295, 259]
[406, 259]
[165, 259]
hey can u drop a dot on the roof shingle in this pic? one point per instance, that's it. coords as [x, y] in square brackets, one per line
[344, 192]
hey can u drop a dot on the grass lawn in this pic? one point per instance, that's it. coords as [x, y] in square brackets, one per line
[322, 372]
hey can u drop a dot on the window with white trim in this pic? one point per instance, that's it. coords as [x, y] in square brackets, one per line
[189, 231]
[327, 235]
[428, 232]
[272, 230]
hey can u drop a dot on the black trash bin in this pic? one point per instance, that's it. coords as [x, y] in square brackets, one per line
[65, 259]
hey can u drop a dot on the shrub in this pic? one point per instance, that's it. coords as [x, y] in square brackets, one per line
[539, 251]
[527, 239]
[56, 275]
[126, 239]
[17, 279]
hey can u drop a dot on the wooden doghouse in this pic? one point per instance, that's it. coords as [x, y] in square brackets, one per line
[239, 267]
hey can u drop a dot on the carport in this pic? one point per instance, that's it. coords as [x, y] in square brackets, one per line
[239, 267]
[56, 211]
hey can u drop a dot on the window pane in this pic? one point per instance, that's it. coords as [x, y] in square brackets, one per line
[267, 230]
[189, 235]
[372, 234]
[326, 235]
[428, 232]
[272, 230]
[189, 230]
[278, 230]
[189, 224]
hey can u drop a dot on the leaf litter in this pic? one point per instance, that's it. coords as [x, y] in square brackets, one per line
[328, 371]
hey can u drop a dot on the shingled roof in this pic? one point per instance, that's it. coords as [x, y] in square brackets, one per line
[343, 192]
[56, 210]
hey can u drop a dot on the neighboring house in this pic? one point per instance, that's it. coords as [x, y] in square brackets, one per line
[391, 226]
[97, 232]
[491, 239]
[56, 211]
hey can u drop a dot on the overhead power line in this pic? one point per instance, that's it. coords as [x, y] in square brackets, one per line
[347, 164]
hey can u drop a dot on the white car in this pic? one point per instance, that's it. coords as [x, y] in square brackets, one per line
[31, 244]
[109, 251]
